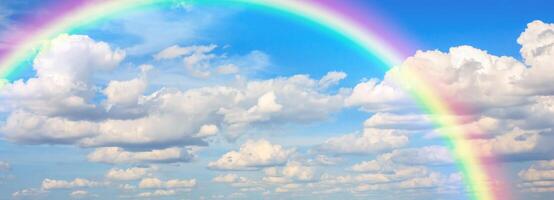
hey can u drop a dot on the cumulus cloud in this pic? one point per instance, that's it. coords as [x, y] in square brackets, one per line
[509, 99]
[293, 171]
[127, 93]
[539, 177]
[31, 193]
[49, 184]
[252, 155]
[127, 174]
[368, 142]
[62, 86]
[158, 193]
[128, 118]
[169, 184]
[178, 51]
[331, 78]
[226, 178]
[428, 155]
[77, 194]
[115, 155]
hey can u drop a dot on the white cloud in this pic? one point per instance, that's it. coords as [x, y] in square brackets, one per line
[253, 155]
[115, 155]
[207, 130]
[62, 84]
[331, 79]
[539, 177]
[370, 141]
[538, 51]
[127, 174]
[32, 193]
[49, 184]
[373, 96]
[169, 184]
[540, 171]
[177, 51]
[428, 155]
[77, 194]
[515, 141]
[25, 127]
[158, 193]
[409, 122]
[227, 69]
[299, 172]
[227, 178]
[125, 93]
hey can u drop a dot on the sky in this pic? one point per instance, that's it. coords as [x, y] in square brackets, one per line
[223, 102]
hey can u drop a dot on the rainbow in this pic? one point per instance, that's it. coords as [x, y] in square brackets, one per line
[345, 21]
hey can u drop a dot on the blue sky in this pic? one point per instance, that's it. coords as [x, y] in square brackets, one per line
[232, 103]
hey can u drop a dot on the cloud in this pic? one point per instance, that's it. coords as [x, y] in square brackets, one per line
[252, 155]
[200, 61]
[236, 180]
[227, 69]
[331, 79]
[539, 177]
[32, 193]
[134, 173]
[127, 118]
[116, 155]
[227, 178]
[158, 193]
[77, 194]
[408, 122]
[127, 93]
[169, 184]
[28, 128]
[62, 84]
[293, 171]
[368, 142]
[428, 155]
[49, 184]
[176, 51]
[509, 103]
[539, 171]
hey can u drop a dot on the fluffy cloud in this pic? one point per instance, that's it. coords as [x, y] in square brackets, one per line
[48, 184]
[293, 171]
[62, 84]
[428, 155]
[77, 194]
[509, 103]
[227, 178]
[25, 127]
[331, 78]
[540, 171]
[539, 177]
[126, 93]
[177, 51]
[116, 155]
[253, 155]
[127, 174]
[169, 184]
[370, 141]
[406, 161]
[128, 118]
[158, 193]
[32, 193]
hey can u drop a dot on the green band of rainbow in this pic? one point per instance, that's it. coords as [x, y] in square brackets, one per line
[320, 13]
